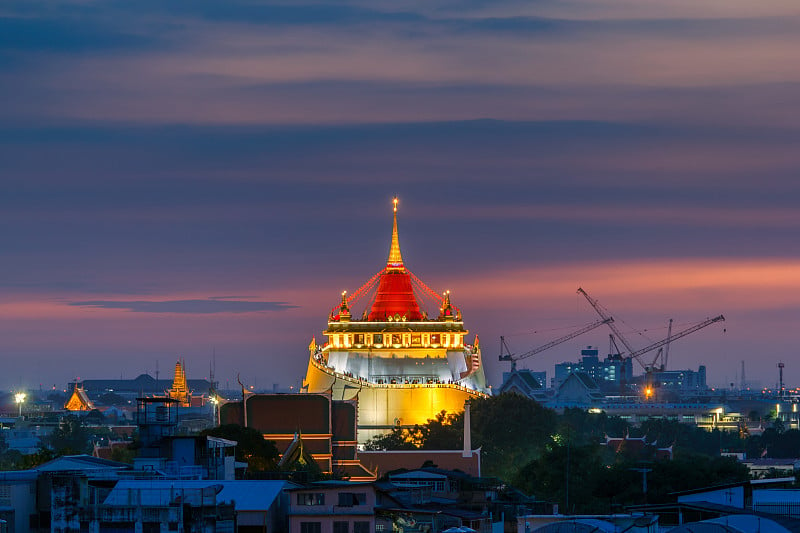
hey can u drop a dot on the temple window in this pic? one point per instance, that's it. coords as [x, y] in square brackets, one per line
[435, 338]
[397, 338]
[416, 339]
[377, 338]
[358, 338]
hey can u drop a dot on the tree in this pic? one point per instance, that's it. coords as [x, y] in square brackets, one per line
[259, 454]
[444, 432]
[511, 430]
[69, 438]
[564, 473]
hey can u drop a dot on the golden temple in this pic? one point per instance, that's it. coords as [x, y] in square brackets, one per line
[402, 366]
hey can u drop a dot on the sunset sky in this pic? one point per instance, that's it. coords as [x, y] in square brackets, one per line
[182, 178]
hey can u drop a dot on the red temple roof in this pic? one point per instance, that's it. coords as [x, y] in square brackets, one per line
[395, 296]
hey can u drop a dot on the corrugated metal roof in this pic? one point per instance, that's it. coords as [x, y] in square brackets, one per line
[249, 495]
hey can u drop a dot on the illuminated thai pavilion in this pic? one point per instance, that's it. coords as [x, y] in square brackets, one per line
[402, 365]
[78, 400]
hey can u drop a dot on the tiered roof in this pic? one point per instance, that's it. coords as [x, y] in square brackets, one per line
[397, 293]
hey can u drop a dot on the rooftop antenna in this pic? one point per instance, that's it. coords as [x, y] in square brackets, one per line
[212, 365]
[156, 369]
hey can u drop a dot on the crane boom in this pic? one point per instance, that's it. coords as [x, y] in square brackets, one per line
[611, 325]
[514, 358]
[670, 338]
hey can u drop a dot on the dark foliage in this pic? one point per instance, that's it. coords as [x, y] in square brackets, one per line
[252, 448]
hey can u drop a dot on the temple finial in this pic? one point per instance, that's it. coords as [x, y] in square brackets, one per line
[395, 258]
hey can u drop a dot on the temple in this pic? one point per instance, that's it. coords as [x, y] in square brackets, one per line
[179, 390]
[78, 400]
[402, 365]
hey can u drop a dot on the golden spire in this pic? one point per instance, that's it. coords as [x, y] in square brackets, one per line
[344, 310]
[395, 258]
[179, 382]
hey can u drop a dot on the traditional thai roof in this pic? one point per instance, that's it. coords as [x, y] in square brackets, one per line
[79, 400]
[396, 293]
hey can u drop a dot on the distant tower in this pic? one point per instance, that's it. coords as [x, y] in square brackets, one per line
[179, 390]
[743, 385]
[780, 378]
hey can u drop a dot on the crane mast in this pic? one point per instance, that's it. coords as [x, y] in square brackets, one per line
[508, 356]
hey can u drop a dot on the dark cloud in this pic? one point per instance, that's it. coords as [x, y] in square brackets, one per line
[66, 35]
[208, 306]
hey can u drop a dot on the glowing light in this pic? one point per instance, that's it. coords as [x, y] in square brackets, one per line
[648, 392]
[20, 399]
[595, 410]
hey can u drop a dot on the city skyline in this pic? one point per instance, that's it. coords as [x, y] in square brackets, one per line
[187, 179]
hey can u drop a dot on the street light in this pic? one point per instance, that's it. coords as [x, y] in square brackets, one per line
[214, 407]
[20, 399]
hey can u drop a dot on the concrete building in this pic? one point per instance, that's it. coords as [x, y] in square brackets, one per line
[611, 374]
[18, 499]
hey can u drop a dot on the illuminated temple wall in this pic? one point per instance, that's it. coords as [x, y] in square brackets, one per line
[444, 365]
[382, 407]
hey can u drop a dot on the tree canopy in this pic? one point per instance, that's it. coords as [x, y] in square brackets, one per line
[259, 454]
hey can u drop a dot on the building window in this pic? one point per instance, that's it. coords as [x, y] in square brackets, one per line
[361, 527]
[358, 338]
[397, 338]
[310, 498]
[349, 499]
[377, 338]
[340, 527]
[378, 527]
[416, 339]
[310, 527]
[435, 338]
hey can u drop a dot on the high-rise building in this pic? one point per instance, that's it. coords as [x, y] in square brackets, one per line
[610, 374]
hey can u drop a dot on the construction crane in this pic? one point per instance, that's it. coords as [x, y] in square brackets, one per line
[670, 338]
[663, 352]
[508, 356]
[636, 354]
[604, 314]
[650, 370]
